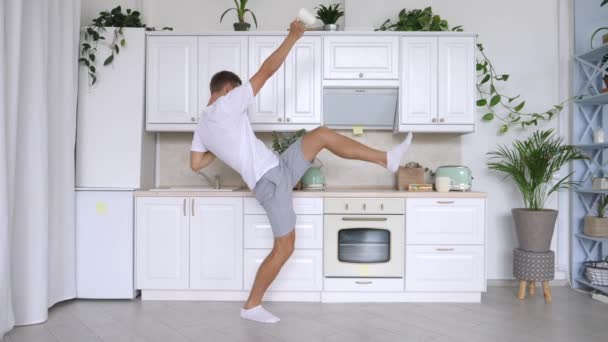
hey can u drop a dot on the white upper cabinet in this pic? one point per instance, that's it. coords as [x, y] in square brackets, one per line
[269, 105]
[217, 54]
[361, 57]
[418, 86]
[303, 82]
[162, 249]
[171, 85]
[216, 243]
[456, 77]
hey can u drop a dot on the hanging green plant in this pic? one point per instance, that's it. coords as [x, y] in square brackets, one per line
[509, 110]
[93, 34]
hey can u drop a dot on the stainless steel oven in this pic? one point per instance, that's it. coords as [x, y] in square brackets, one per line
[364, 237]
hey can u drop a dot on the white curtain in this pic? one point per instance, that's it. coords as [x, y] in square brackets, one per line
[38, 87]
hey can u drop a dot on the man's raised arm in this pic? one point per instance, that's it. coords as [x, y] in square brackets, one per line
[274, 61]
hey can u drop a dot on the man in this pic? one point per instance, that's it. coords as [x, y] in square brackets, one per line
[224, 131]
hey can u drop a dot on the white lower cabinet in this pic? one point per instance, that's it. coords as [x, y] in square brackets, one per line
[216, 243]
[302, 272]
[448, 268]
[309, 232]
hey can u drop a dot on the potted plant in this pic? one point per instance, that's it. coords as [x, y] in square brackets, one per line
[329, 15]
[531, 164]
[598, 225]
[241, 9]
[605, 36]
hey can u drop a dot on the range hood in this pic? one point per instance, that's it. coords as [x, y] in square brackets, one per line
[370, 107]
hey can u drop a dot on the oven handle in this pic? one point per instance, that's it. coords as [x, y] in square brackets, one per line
[367, 219]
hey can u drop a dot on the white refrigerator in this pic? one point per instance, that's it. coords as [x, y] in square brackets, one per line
[114, 157]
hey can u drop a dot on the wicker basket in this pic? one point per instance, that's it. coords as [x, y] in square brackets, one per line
[596, 226]
[597, 272]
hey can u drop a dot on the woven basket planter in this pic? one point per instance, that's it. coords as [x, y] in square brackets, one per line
[596, 226]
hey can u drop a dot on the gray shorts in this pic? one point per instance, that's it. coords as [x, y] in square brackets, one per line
[274, 189]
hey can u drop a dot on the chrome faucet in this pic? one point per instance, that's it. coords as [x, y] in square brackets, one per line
[216, 180]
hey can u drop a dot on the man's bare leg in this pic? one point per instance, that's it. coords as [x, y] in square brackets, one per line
[316, 140]
[270, 267]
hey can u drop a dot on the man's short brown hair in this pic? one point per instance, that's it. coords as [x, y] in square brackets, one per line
[219, 80]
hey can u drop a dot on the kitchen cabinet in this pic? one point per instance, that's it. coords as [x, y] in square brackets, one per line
[449, 268]
[216, 243]
[189, 243]
[301, 206]
[162, 249]
[218, 53]
[437, 86]
[293, 94]
[171, 80]
[361, 57]
[309, 232]
[302, 272]
[269, 104]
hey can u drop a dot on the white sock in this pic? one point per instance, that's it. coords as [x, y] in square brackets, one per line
[393, 157]
[259, 314]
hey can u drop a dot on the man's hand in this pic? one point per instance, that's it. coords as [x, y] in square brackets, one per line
[274, 61]
[296, 29]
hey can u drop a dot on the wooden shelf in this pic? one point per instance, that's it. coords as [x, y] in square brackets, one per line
[592, 238]
[600, 99]
[591, 146]
[594, 55]
[597, 287]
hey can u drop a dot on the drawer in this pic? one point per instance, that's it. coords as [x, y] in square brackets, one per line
[363, 284]
[365, 206]
[302, 272]
[444, 268]
[435, 221]
[302, 206]
[361, 58]
[309, 231]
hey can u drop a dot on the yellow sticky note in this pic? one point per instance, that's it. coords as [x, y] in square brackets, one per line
[101, 208]
[357, 130]
[363, 270]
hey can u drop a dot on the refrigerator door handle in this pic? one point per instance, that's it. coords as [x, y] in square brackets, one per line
[184, 206]
[192, 206]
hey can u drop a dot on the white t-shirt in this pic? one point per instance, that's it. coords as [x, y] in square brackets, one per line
[224, 129]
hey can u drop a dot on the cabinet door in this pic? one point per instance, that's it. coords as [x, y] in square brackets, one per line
[444, 268]
[303, 82]
[362, 57]
[216, 243]
[162, 249]
[445, 221]
[217, 54]
[302, 272]
[418, 89]
[269, 105]
[456, 80]
[171, 89]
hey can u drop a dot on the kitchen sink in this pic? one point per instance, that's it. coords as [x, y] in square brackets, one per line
[199, 188]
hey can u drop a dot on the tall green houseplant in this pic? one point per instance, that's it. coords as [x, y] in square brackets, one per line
[241, 9]
[531, 164]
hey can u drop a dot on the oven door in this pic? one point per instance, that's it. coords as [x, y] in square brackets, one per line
[364, 246]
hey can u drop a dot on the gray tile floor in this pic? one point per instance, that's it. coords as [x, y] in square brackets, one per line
[500, 317]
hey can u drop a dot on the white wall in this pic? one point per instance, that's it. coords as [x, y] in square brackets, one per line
[520, 36]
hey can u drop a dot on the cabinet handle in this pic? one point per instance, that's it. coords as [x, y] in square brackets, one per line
[360, 75]
[365, 219]
[192, 119]
[184, 207]
[346, 206]
[445, 202]
[381, 206]
[279, 119]
[363, 206]
[288, 119]
[441, 120]
[444, 249]
[192, 206]
[364, 282]
[434, 120]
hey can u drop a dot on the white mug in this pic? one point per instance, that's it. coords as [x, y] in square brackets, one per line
[306, 17]
[443, 184]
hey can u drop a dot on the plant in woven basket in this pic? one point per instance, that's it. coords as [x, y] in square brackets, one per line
[282, 141]
[531, 164]
[497, 105]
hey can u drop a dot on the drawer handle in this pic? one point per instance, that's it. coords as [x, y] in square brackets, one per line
[346, 206]
[445, 202]
[366, 219]
[364, 282]
[381, 206]
[363, 206]
[184, 207]
[360, 75]
[444, 249]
